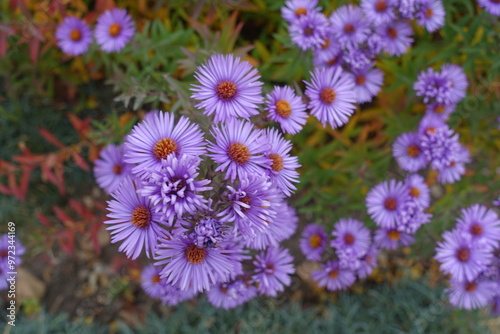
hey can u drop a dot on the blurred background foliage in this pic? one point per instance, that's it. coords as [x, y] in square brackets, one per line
[57, 111]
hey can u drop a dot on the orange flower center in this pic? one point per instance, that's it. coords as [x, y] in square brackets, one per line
[381, 6]
[238, 153]
[117, 169]
[75, 35]
[326, 43]
[333, 274]
[428, 13]
[277, 164]
[300, 11]
[315, 241]
[414, 192]
[308, 31]
[327, 95]
[349, 28]
[349, 239]
[226, 90]
[3, 253]
[332, 62]
[245, 200]
[360, 79]
[476, 229]
[394, 235]
[463, 254]
[141, 216]
[115, 29]
[164, 147]
[392, 33]
[440, 108]
[283, 108]
[413, 151]
[390, 204]
[194, 254]
[471, 286]
[155, 279]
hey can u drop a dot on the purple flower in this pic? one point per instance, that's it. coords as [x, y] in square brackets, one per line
[189, 267]
[440, 110]
[368, 81]
[491, 6]
[407, 8]
[431, 14]
[332, 96]
[385, 200]
[282, 171]
[208, 232]
[351, 234]
[172, 295]
[294, 9]
[368, 262]
[309, 31]
[418, 190]
[349, 25]
[312, 243]
[133, 221]
[433, 87]
[239, 149]
[456, 167]
[330, 56]
[396, 36]
[172, 189]
[429, 124]
[157, 137]
[111, 169]
[7, 240]
[151, 282]
[358, 58]
[442, 148]
[73, 36]
[333, 277]
[272, 270]
[287, 109]
[411, 217]
[228, 88]
[471, 294]
[114, 29]
[408, 152]
[457, 81]
[459, 258]
[392, 238]
[379, 11]
[481, 224]
[231, 294]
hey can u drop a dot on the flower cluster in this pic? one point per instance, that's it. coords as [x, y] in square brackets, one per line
[10, 256]
[470, 255]
[113, 30]
[355, 255]
[434, 143]
[209, 207]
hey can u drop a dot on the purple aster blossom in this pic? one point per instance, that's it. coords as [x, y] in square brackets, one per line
[442, 148]
[433, 87]
[111, 169]
[379, 11]
[375, 44]
[282, 171]
[151, 282]
[384, 202]
[172, 189]
[208, 232]
[232, 248]
[333, 277]
[358, 58]
[496, 202]
[250, 205]
[495, 307]
[411, 217]
[133, 221]
[392, 238]
[228, 88]
[6, 240]
[309, 31]
[272, 271]
[418, 190]
[396, 36]
[351, 234]
[239, 149]
[189, 267]
[440, 110]
[471, 294]
[407, 8]
[331, 56]
[457, 81]
[157, 137]
[287, 109]
[368, 262]
[232, 294]
[332, 96]
[481, 225]
[368, 81]
[172, 295]
[313, 241]
[491, 6]
[294, 9]
[430, 14]
[460, 258]
[74, 36]
[349, 25]
[456, 167]
[429, 124]
[114, 29]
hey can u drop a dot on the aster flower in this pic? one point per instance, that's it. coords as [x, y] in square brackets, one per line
[231, 294]
[208, 232]
[272, 270]
[491, 6]
[294, 9]
[110, 169]
[157, 137]
[418, 190]
[5, 242]
[392, 238]
[460, 258]
[385, 200]
[74, 36]
[332, 96]
[151, 281]
[430, 14]
[189, 267]
[471, 294]
[287, 109]
[457, 81]
[228, 88]
[114, 29]
[312, 243]
[133, 221]
[379, 11]
[358, 58]
[368, 81]
[396, 36]
[429, 124]
[456, 167]
[368, 262]
[440, 110]
[481, 224]
[349, 25]
[433, 87]
[442, 148]
[411, 217]
[330, 54]
[333, 277]
[282, 171]
[309, 31]
[351, 234]
[239, 149]
[172, 295]
[407, 8]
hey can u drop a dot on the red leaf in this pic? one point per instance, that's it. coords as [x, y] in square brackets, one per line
[80, 162]
[24, 182]
[5, 190]
[94, 231]
[81, 210]
[51, 138]
[63, 217]
[13, 186]
[43, 219]
[82, 126]
[29, 159]
[34, 45]
[67, 241]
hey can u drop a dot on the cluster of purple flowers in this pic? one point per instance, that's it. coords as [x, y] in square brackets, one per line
[434, 143]
[346, 44]
[113, 30]
[355, 254]
[209, 208]
[470, 254]
[11, 251]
